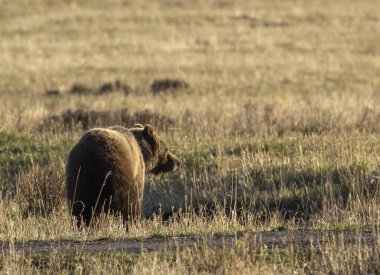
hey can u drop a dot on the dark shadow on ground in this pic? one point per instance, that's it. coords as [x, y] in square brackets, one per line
[297, 195]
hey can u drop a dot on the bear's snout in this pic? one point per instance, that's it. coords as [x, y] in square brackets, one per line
[176, 162]
[167, 164]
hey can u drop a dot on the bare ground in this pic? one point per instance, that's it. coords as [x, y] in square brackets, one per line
[275, 239]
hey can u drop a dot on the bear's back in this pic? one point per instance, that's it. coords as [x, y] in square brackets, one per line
[101, 152]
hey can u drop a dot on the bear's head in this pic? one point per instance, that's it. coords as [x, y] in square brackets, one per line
[157, 157]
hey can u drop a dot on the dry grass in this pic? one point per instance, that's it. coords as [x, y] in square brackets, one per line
[245, 257]
[278, 129]
[40, 190]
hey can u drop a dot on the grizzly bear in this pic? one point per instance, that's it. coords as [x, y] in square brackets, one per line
[105, 170]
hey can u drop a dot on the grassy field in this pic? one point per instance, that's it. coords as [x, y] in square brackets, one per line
[278, 129]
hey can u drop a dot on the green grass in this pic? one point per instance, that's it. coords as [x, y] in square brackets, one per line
[21, 151]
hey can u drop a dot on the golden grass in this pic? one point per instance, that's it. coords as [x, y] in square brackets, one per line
[278, 129]
[245, 257]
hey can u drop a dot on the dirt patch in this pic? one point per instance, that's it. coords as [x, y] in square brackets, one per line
[158, 86]
[80, 89]
[298, 239]
[52, 93]
[85, 119]
[110, 87]
[168, 85]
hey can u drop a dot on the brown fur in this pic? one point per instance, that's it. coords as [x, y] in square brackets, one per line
[106, 169]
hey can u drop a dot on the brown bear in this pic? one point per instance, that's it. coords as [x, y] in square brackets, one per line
[105, 170]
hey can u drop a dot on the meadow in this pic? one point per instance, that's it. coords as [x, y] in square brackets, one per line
[278, 128]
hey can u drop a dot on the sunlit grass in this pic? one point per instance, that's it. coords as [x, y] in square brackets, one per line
[278, 129]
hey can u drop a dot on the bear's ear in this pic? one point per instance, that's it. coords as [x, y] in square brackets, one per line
[148, 131]
[138, 125]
